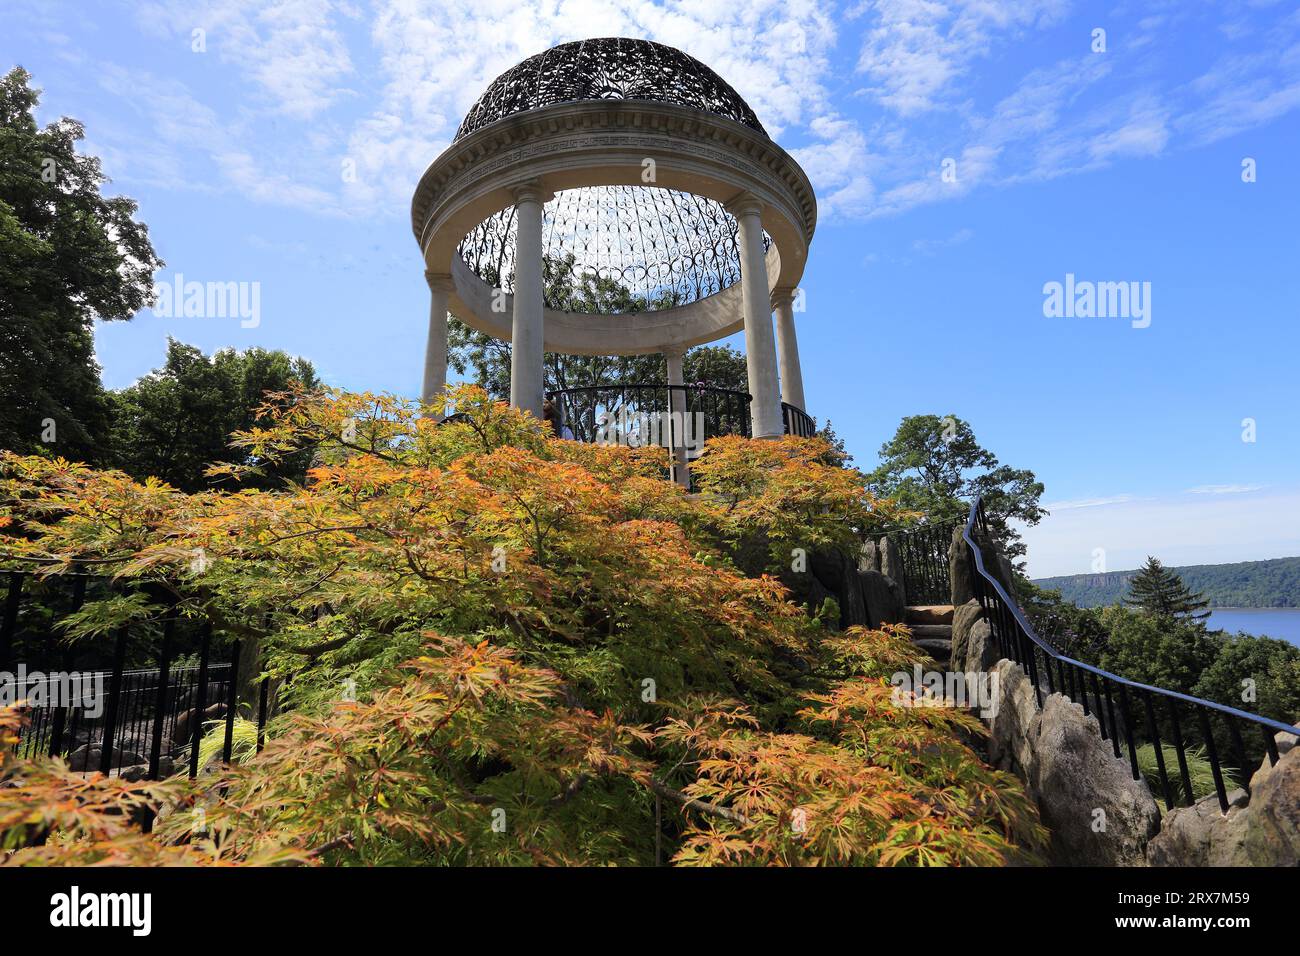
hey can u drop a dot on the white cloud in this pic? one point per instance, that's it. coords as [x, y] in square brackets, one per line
[916, 49]
[1056, 506]
[1224, 489]
[292, 50]
[426, 61]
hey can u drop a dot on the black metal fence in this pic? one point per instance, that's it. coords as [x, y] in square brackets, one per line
[140, 700]
[1128, 713]
[924, 552]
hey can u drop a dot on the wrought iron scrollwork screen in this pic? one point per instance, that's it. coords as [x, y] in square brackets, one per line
[608, 68]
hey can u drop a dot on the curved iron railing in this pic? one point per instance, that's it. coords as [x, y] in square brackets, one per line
[797, 421]
[1111, 698]
[644, 414]
[725, 411]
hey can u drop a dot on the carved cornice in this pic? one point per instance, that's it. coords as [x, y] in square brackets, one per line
[667, 133]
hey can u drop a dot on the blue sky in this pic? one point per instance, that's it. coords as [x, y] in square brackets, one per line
[923, 295]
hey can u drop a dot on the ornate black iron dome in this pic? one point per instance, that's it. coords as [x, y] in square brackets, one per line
[608, 68]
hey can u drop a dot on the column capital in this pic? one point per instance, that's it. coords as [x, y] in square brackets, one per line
[531, 191]
[438, 281]
[676, 351]
[782, 296]
[744, 205]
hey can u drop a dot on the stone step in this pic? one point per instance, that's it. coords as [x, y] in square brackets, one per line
[937, 647]
[928, 614]
[943, 631]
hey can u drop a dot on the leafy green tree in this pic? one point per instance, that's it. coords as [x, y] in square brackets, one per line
[839, 454]
[68, 256]
[177, 420]
[935, 465]
[1165, 652]
[1074, 631]
[1159, 590]
[1258, 674]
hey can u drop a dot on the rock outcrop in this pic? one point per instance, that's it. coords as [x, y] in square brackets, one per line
[980, 651]
[1096, 812]
[1260, 830]
[869, 557]
[891, 565]
[964, 617]
[960, 570]
[883, 598]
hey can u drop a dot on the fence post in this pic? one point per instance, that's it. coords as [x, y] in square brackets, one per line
[261, 713]
[160, 699]
[201, 701]
[61, 712]
[114, 693]
[231, 700]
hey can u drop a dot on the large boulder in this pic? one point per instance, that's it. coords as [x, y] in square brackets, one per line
[1273, 826]
[891, 564]
[1097, 813]
[882, 597]
[964, 617]
[89, 757]
[184, 728]
[981, 653]
[1285, 743]
[838, 574]
[869, 557]
[829, 574]
[1260, 830]
[1202, 835]
[1011, 724]
[960, 569]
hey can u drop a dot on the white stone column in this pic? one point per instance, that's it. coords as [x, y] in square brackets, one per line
[527, 376]
[787, 349]
[760, 349]
[435, 353]
[677, 403]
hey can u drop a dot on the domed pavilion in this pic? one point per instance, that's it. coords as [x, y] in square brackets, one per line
[629, 161]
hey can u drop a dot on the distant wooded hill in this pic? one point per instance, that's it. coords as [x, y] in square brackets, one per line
[1273, 583]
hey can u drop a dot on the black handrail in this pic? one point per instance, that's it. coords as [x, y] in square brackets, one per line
[1016, 639]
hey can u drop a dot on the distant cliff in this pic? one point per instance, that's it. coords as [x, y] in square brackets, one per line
[1273, 583]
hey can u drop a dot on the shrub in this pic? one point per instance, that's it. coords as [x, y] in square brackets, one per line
[548, 643]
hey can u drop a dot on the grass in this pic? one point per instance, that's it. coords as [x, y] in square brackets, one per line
[1198, 770]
